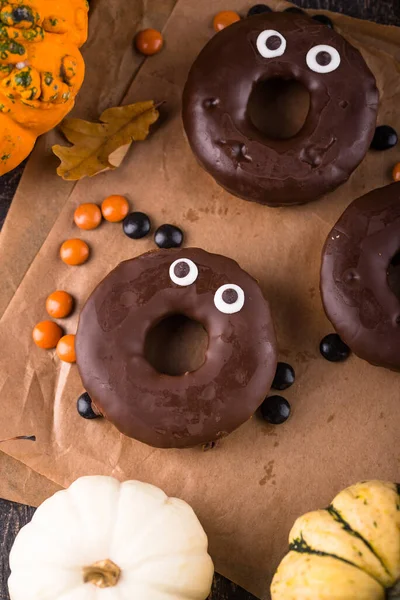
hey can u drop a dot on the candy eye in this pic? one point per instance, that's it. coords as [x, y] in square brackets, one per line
[271, 43]
[229, 298]
[183, 272]
[323, 59]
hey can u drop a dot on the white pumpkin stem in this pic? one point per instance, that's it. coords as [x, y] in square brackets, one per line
[103, 573]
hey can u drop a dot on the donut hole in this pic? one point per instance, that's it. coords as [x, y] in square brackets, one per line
[393, 275]
[278, 108]
[176, 345]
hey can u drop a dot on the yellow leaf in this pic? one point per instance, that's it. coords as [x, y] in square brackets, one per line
[101, 146]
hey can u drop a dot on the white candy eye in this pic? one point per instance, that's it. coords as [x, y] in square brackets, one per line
[323, 59]
[271, 43]
[183, 272]
[229, 298]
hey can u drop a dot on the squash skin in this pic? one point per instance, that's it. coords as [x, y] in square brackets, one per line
[41, 70]
[350, 551]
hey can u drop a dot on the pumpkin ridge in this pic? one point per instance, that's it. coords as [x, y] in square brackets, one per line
[336, 515]
[301, 547]
[172, 591]
[29, 51]
[147, 527]
[197, 553]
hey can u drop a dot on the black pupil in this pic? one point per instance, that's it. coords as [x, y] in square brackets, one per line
[323, 58]
[273, 43]
[229, 296]
[181, 269]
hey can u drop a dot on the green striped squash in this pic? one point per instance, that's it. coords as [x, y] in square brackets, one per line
[349, 551]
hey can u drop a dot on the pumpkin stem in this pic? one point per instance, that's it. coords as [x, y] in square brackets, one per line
[103, 573]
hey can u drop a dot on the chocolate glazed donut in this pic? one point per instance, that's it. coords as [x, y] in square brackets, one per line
[356, 277]
[335, 136]
[197, 407]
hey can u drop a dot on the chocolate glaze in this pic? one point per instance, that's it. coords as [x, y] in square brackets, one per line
[354, 277]
[331, 144]
[197, 407]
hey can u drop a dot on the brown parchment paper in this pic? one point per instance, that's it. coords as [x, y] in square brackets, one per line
[112, 28]
[345, 421]
[22, 484]
[111, 65]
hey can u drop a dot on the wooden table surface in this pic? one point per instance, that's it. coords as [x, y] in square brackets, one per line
[14, 516]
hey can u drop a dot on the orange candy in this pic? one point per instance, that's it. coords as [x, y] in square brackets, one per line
[115, 208]
[87, 216]
[47, 334]
[396, 172]
[66, 348]
[149, 42]
[225, 18]
[59, 304]
[74, 252]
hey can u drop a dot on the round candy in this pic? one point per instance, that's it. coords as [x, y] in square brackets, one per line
[84, 407]
[87, 216]
[199, 406]
[275, 410]
[59, 304]
[360, 277]
[66, 348]
[136, 225]
[46, 334]
[258, 9]
[324, 20]
[168, 236]
[284, 377]
[149, 42]
[224, 19]
[225, 94]
[115, 208]
[385, 138]
[74, 252]
[396, 172]
[333, 348]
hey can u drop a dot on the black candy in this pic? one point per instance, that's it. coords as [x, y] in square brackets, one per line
[136, 225]
[284, 377]
[84, 406]
[168, 236]
[275, 410]
[258, 9]
[295, 10]
[385, 138]
[333, 348]
[324, 20]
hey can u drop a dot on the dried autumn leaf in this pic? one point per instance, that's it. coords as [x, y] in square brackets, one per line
[101, 146]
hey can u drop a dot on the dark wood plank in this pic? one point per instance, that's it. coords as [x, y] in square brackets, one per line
[381, 11]
[14, 516]
[8, 185]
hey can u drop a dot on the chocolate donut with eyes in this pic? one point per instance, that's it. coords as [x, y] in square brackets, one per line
[338, 129]
[360, 277]
[200, 406]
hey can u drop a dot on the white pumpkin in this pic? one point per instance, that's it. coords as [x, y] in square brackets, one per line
[105, 540]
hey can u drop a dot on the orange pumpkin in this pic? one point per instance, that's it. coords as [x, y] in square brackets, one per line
[41, 70]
